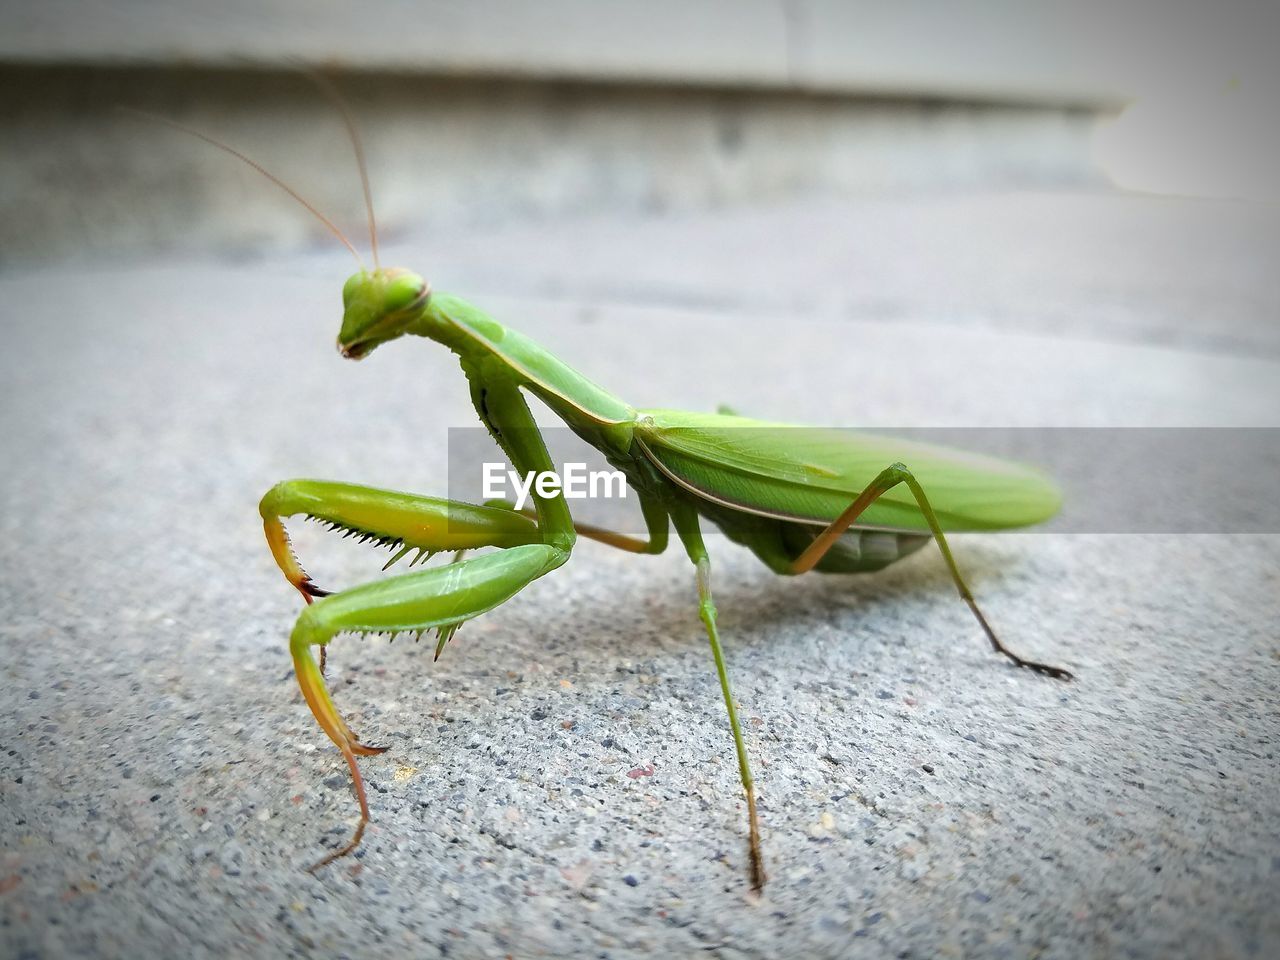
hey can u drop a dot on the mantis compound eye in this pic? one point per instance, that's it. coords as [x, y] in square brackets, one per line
[351, 288]
[404, 290]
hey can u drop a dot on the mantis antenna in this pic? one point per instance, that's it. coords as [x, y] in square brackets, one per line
[262, 170]
[329, 90]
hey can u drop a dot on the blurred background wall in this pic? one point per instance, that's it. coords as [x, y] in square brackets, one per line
[500, 110]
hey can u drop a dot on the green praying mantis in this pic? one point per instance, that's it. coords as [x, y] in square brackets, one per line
[800, 499]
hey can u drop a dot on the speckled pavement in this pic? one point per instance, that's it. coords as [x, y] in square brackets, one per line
[562, 782]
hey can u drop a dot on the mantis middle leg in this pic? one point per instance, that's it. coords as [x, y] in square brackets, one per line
[688, 528]
[656, 521]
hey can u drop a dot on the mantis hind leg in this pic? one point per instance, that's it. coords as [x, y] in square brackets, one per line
[889, 478]
[438, 597]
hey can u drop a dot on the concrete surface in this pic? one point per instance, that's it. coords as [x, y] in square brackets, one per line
[162, 784]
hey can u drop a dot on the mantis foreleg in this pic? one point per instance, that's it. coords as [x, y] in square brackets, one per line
[403, 521]
[889, 478]
[438, 597]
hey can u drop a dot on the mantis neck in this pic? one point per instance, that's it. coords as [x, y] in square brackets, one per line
[494, 355]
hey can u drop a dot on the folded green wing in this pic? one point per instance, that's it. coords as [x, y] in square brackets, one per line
[812, 474]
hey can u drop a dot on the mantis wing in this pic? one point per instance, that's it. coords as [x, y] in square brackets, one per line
[811, 475]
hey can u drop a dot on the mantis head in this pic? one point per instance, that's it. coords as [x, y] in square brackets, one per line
[379, 306]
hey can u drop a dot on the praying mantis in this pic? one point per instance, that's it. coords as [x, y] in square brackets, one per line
[800, 499]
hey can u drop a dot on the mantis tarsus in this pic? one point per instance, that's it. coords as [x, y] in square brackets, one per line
[801, 500]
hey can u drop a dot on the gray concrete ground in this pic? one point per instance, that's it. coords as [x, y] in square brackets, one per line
[162, 784]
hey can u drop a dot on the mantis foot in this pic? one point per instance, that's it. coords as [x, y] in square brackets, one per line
[1043, 669]
[341, 851]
